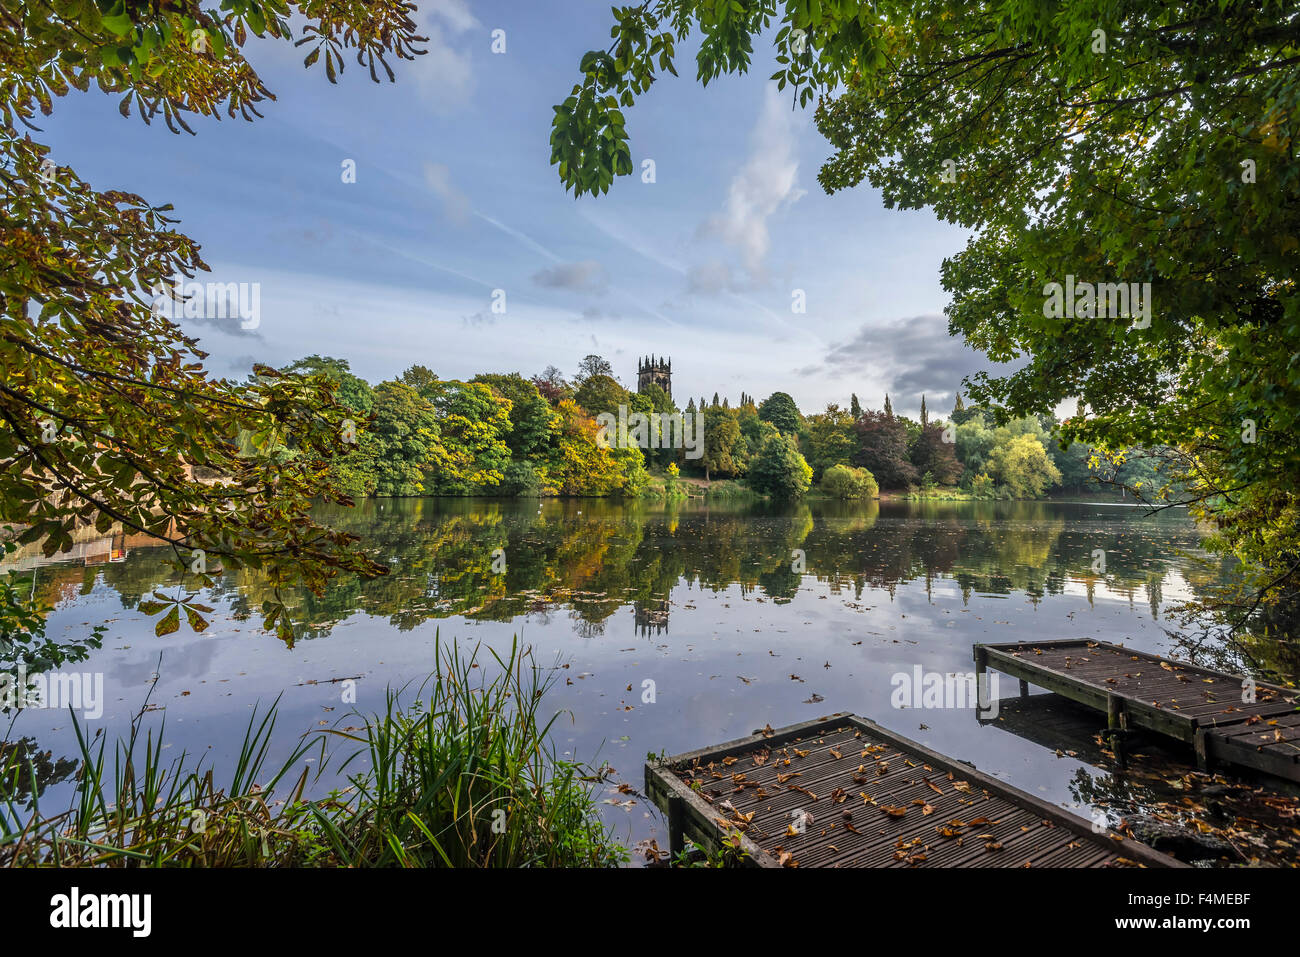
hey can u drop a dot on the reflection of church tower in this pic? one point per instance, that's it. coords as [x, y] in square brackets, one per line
[655, 371]
[651, 617]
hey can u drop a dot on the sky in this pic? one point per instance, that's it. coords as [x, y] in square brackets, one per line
[455, 205]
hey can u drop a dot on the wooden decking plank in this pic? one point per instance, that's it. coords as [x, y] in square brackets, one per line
[1029, 830]
[1176, 698]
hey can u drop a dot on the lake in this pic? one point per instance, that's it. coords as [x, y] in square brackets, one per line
[669, 626]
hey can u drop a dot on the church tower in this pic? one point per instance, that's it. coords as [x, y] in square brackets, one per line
[657, 371]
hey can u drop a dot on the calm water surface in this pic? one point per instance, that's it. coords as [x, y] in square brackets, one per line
[741, 616]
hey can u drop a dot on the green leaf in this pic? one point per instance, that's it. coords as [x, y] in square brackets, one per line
[118, 20]
[169, 623]
[197, 621]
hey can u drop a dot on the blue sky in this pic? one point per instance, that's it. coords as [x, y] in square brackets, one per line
[454, 198]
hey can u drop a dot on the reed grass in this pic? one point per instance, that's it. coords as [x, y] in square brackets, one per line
[465, 777]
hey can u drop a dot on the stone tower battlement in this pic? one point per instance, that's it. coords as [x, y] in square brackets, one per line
[657, 371]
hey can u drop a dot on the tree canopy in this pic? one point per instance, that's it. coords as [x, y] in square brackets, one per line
[780, 409]
[1147, 143]
[106, 411]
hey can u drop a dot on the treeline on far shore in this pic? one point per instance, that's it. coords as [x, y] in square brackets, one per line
[503, 434]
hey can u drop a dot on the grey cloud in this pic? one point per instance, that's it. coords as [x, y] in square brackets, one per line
[244, 363]
[230, 326]
[709, 278]
[915, 355]
[585, 276]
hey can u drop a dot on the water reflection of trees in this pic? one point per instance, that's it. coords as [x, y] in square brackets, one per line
[31, 771]
[593, 558]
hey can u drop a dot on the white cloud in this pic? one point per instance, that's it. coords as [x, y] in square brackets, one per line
[454, 12]
[455, 204]
[767, 182]
[444, 75]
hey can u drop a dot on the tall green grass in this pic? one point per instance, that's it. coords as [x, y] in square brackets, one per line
[466, 777]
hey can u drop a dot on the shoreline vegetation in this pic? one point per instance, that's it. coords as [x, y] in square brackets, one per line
[466, 776]
[504, 435]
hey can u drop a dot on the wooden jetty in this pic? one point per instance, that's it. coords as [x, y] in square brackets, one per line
[841, 791]
[1227, 719]
[1050, 721]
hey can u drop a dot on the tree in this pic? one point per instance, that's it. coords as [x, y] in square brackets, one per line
[925, 417]
[593, 366]
[831, 439]
[975, 440]
[577, 463]
[855, 407]
[106, 408]
[1074, 464]
[1024, 467]
[779, 470]
[1172, 127]
[419, 378]
[889, 409]
[407, 441]
[653, 399]
[753, 430]
[552, 385]
[352, 390]
[779, 409]
[846, 482]
[963, 413]
[532, 421]
[932, 453]
[473, 422]
[599, 393]
[659, 400]
[721, 437]
[882, 449]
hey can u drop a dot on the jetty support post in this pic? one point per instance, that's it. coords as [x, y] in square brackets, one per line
[676, 825]
[1116, 725]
